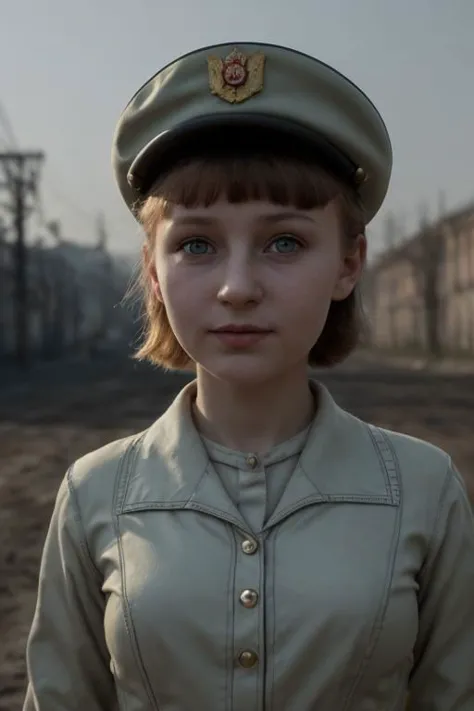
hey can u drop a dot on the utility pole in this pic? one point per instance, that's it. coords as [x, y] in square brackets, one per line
[4, 285]
[21, 171]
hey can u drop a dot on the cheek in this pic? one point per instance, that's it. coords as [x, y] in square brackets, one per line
[168, 278]
[308, 295]
[310, 316]
[312, 284]
[180, 297]
[177, 299]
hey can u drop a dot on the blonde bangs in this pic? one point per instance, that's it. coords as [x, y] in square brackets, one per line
[202, 182]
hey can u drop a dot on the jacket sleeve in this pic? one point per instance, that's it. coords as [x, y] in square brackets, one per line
[443, 673]
[67, 658]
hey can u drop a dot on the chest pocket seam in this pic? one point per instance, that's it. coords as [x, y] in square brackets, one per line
[391, 468]
[125, 468]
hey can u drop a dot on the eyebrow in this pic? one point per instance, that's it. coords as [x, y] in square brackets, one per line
[197, 220]
[288, 215]
[276, 217]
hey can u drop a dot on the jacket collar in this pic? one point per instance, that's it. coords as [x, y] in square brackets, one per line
[171, 469]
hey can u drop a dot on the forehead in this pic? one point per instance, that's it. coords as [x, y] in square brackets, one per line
[256, 210]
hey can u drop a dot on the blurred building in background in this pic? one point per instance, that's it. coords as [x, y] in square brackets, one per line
[419, 293]
[74, 294]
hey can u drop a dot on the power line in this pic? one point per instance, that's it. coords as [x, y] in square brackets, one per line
[69, 203]
[9, 142]
[8, 128]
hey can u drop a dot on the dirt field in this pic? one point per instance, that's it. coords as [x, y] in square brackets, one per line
[45, 427]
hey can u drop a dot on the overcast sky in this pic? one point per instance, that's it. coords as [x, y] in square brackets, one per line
[68, 68]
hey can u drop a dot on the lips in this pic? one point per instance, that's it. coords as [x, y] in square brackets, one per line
[240, 328]
[241, 337]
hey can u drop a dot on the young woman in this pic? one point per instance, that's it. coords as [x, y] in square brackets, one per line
[257, 548]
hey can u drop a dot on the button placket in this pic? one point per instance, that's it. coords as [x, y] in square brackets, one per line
[247, 622]
[247, 599]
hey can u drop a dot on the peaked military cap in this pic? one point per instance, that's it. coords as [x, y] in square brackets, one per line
[244, 97]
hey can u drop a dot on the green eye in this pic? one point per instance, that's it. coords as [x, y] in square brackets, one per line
[196, 247]
[285, 244]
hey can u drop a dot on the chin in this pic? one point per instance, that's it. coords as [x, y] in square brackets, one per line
[243, 370]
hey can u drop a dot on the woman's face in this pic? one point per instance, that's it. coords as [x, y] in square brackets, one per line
[247, 287]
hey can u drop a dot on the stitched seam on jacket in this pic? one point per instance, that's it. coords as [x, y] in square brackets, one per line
[430, 559]
[324, 499]
[387, 458]
[375, 444]
[261, 631]
[332, 499]
[219, 514]
[124, 471]
[126, 463]
[84, 546]
[341, 498]
[273, 554]
[229, 675]
[377, 626]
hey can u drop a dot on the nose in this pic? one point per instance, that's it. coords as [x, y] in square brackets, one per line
[240, 285]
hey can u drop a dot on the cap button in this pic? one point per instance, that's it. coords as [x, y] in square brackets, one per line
[360, 176]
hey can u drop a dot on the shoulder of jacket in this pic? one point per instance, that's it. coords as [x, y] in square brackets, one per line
[97, 471]
[420, 463]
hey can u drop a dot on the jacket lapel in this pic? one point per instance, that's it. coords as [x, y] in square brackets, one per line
[339, 464]
[172, 469]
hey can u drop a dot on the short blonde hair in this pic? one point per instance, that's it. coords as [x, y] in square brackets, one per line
[284, 180]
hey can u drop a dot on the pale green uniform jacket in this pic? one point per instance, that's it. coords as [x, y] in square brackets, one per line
[155, 594]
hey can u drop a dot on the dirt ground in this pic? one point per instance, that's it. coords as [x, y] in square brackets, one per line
[48, 422]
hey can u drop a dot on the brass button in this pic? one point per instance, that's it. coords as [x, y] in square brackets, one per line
[249, 546]
[252, 461]
[248, 659]
[249, 598]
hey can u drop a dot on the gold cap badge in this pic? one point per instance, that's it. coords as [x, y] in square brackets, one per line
[237, 77]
